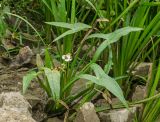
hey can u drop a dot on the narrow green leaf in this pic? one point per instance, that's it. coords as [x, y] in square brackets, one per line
[61, 24]
[151, 4]
[74, 26]
[27, 80]
[90, 3]
[15, 15]
[73, 11]
[69, 32]
[48, 59]
[53, 77]
[108, 66]
[47, 5]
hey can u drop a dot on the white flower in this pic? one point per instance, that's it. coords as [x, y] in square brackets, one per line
[67, 57]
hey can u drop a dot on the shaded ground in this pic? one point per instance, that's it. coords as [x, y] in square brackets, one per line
[11, 80]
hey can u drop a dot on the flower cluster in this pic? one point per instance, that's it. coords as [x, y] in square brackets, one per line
[67, 57]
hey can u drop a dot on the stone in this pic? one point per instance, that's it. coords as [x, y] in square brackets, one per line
[55, 119]
[33, 100]
[24, 57]
[139, 93]
[79, 85]
[102, 102]
[14, 115]
[121, 115]
[15, 100]
[143, 69]
[87, 113]
[14, 108]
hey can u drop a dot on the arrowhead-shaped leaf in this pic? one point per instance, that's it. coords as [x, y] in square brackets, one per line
[73, 28]
[104, 80]
[111, 38]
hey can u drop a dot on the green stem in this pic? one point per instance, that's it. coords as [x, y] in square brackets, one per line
[73, 13]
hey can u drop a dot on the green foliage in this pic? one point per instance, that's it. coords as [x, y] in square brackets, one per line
[3, 25]
[74, 28]
[48, 60]
[27, 79]
[111, 38]
[104, 80]
[53, 78]
[134, 44]
[58, 83]
[129, 37]
[150, 115]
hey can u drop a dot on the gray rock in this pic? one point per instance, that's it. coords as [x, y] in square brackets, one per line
[87, 113]
[139, 93]
[79, 86]
[55, 119]
[14, 99]
[33, 100]
[14, 108]
[14, 115]
[24, 57]
[121, 115]
[142, 69]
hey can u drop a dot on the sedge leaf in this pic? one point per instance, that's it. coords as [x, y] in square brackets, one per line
[90, 3]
